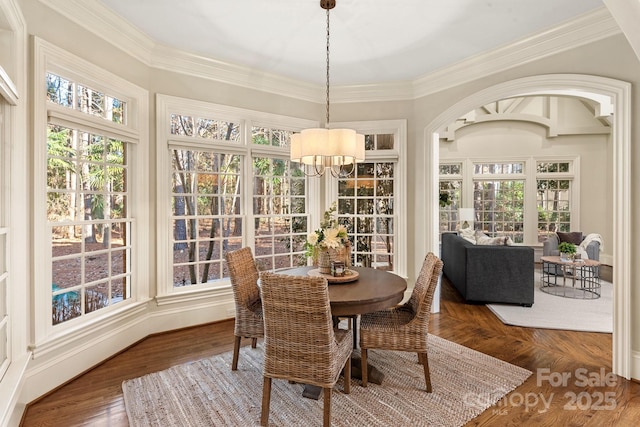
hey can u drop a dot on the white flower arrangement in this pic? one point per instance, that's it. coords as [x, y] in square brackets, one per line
[330, 235]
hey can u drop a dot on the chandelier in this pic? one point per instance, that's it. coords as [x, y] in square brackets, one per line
[319, 149]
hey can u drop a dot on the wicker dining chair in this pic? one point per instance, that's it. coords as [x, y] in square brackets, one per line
[404, 327]
[301, 344]
[244, 282]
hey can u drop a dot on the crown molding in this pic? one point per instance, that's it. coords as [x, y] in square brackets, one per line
[626, 14]
[170, 59]
[98, 19]
[587, 28]
[394, 91]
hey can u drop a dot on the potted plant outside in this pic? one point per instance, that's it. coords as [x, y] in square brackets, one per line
[445, 199]
[567, 251]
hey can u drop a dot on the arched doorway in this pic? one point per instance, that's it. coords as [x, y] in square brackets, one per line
[618, 92]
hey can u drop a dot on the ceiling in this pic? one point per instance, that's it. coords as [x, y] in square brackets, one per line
[372, 41]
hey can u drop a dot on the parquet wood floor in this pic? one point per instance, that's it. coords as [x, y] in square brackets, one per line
[584, 398]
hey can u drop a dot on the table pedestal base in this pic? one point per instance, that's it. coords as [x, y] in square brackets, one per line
[374, 376]
[570, 279]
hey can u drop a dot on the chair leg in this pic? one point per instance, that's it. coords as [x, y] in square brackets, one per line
[254, 342]
[363, 367]
[236, 351]
[425, 364]
[327, 407]
[347, 376]
[266, 401]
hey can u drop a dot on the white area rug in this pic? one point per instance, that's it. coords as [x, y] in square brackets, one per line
[554, 312]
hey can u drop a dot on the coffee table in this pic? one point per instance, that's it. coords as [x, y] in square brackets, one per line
[570, 279]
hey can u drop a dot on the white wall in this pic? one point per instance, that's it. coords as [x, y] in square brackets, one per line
[516, 139]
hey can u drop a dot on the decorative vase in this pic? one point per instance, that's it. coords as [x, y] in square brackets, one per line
[324, 260]
[566, 257]
[326, 256]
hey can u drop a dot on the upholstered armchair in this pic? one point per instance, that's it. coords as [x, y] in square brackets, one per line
[591, 245]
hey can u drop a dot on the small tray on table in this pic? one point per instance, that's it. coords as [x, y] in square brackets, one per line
[349, 276]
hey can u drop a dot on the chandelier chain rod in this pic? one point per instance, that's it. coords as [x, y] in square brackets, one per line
[328, 33]
[322, 149]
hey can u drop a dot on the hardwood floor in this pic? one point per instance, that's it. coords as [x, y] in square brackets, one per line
[587, 397]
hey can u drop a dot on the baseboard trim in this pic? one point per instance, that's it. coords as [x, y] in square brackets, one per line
[54, 369]
[635, 366]
[11, 386]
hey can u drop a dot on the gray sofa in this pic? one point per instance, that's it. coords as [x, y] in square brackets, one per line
[489, 274]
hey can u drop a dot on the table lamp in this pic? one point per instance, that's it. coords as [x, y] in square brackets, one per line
[466, 217]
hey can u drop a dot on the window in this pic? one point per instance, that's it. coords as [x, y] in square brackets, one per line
[279, 213]
[451, 188]
[232, 185]
[205, 128]
[501, 191]
[206, 213]
[206, 199]
[91, 200]
[280, 208]
[499, 208]
[75, 96]
[369, 202]
[87, 205]
[5, 337]
[554, 181]
[365, 206]
[498, 199]
[86, 210]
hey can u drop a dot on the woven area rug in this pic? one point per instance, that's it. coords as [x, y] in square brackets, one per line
[555, 312]
[207, 393]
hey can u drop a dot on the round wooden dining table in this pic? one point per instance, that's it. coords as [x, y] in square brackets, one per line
[373, 290]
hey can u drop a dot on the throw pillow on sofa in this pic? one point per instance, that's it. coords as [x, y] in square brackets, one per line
[468, 234]
[483, 239]
[574, 237]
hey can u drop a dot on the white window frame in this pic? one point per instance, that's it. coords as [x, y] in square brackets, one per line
[506, 177]
[5, 234]
[530, 176]
[397, 155]
[571, 175]
[51, 59]
[282, 154]
[214, 148]
[452, 209]
[167, 105]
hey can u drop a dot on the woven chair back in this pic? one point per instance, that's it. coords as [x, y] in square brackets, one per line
[425, 286]
[299, 339]
[246, 293]
[244, 276]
